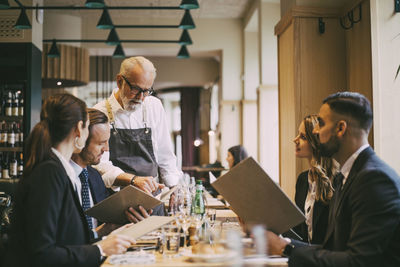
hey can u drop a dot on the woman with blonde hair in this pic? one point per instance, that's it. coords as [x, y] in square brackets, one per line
[313, 187]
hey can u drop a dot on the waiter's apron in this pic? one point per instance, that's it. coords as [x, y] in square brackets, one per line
[132, 151]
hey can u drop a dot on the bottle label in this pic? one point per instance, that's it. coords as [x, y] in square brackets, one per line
[20, 170]
[21, 138]
[21, 111]
[3, 138]
[5, 174]
[14, 111]
[11, 139]
[8, 111]
[13, 169]
[17, 138]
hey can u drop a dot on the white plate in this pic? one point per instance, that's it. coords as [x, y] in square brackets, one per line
[209, 257]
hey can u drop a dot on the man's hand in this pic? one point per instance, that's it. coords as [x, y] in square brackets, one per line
[135, 217]
[147, 184]
[276, 244]
[116, 244]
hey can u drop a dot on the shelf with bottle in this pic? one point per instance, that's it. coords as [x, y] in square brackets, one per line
[12, 102]
[11, 165]
[11, 136]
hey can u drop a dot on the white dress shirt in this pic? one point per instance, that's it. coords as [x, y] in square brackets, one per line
[309, 205]
[161, 138]
[345, 169]
[78, 169]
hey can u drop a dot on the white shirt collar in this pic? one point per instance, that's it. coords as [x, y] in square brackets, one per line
[345, 170]
[78, 169]
[67, 166]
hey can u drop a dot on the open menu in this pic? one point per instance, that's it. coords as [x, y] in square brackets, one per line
[256, 198]
[112, 209]
[146, 226]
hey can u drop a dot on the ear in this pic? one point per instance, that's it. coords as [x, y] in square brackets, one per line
[341, 128]
[119, 81]
[79, 128]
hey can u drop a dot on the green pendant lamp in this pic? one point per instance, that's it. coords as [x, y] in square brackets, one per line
[23, 21]
[187, 22]
[118, 52]
[113, 38]
[185, 38]
[4, 4]
[53, 52]
[94, 3]
[189, 4]
[183, 52]
[105, 21]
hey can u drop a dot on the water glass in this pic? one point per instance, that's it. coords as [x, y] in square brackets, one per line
[171, 240]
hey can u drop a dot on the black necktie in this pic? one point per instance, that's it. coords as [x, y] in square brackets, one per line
[338, 183]
[85, 195]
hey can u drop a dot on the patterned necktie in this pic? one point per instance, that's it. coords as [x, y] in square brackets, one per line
[85, 195]
[338, 182]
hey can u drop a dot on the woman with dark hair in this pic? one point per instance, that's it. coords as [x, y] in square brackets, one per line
[313, 187]
[235, 155]
[49, 226]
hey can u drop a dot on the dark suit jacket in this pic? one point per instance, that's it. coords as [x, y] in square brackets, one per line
[364, 228]
[49, 228]
[98, 189]
[320, 213]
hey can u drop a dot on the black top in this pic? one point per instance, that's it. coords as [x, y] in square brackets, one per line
[320, 213]
[49, 228]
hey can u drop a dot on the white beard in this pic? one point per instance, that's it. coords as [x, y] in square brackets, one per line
[130, 104]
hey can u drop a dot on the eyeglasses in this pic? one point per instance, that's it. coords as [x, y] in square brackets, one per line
[137, 89]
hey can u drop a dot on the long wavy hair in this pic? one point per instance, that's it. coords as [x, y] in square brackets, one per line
[322, 169]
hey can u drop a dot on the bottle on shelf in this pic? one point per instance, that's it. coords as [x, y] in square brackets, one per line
[5, 167]
[13, 166]
[17, 134]
[15, 104]
[21, 136]
[11, 136]
[8, 105]
[198, 206]
[1, 165]
[3, 134]
[21, 105]
[20, 164]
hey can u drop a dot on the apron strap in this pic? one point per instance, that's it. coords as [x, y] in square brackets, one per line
[144, 118]
[110, 115]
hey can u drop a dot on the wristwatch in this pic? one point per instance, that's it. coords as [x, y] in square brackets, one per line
[288, 250]
[133, 180]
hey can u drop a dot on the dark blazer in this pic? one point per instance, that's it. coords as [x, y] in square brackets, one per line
[320, 213]
[49, 228]
[98, 189]
[364, 225]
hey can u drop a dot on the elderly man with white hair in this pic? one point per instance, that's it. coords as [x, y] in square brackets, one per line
[140, 145]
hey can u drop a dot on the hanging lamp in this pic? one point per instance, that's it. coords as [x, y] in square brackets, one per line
[183, 52]
[105, 21]
[189, 4]
[23, 21]
[118, 52]
[94, 3]
[187, 22]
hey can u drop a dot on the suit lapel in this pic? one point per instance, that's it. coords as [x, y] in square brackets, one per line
[358, 164]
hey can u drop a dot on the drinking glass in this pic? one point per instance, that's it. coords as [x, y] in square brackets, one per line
[184, 221]
[212, 215]
[171, 238]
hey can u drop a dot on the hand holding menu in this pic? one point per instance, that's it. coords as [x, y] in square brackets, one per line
[112, 209]
[256, 198]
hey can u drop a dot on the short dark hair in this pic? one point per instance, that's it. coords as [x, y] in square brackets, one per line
[95, 117]
[354, 105]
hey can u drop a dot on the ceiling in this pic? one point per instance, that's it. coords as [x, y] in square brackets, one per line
[208, 8]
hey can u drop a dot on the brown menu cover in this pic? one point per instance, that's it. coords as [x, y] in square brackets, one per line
[112, 209]
[256, 198]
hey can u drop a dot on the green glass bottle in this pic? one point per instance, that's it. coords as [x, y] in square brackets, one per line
[198, 206]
